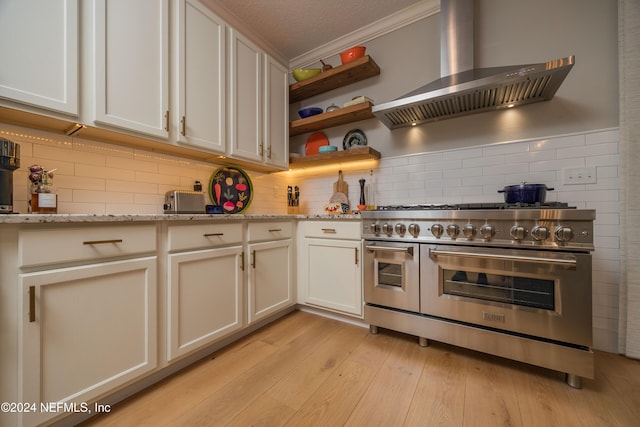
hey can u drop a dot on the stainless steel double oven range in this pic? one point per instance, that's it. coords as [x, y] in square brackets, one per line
[509, 280]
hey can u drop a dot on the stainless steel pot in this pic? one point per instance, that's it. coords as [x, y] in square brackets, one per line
[525, 193]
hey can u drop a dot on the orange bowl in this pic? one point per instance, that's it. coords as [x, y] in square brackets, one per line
[351, 54]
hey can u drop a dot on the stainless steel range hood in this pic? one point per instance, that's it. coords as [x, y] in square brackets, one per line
[464, 90]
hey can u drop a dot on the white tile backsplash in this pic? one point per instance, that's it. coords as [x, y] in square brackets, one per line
[101, 178]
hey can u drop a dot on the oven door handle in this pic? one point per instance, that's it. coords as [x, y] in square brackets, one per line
[541, 260]
[389, 249]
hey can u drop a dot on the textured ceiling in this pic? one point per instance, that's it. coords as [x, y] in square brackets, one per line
[294, 27]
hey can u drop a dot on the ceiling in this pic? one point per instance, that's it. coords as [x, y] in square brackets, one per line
[294, 27]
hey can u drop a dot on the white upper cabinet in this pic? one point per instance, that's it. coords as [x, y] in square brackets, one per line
[199, 73]
[245, 101]
[39, 49]
[131, 69]
[258, 104]
[276, 113]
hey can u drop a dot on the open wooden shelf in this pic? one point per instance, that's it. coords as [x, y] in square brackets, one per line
[341, 116]
[352, 154]
[342, 75]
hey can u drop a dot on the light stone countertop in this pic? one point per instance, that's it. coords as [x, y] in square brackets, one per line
[90, 218]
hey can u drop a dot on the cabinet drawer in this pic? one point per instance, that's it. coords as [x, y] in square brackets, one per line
[333, 229]
[183, 237]
[269, 231]
[65, 244]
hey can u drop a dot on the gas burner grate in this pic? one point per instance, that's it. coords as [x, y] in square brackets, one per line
[475, 206]
[546, 205]
[418, 207]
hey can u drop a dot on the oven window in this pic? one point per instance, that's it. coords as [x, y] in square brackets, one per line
[525, 291]
[389, 274]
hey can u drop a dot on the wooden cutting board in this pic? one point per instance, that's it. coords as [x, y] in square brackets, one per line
[340, 186]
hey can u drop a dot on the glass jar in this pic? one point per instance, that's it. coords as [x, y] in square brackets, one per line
[43, 196]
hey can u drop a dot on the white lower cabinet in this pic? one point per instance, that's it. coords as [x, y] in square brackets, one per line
[204, 285]
[270, 282]
[87, 314]
[330, 266]
[204, 298]
[93, 317]
[83, 331]
[270, 287]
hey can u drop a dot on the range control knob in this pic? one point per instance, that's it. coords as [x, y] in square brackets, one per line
[375, 228]
[540, 233]
[518, 232]
[453, 230]
[564, 234]
[387, 229]
[487, 231]
[401, 229]
[437, 230]
[414, 230]
[469, 231]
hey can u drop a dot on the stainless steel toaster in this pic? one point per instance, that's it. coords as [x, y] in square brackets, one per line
[178, 201]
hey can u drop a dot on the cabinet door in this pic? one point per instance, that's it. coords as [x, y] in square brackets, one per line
[245, 101]
[200, 72]
[85, 330]
[334, 274]
[132, 65]
[276, 113]
[204, 298]
[270, 280]
[40, 53]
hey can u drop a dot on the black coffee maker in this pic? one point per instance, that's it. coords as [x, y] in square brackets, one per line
[9, 161]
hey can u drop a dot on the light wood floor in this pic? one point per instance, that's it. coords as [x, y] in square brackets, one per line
[306, 370]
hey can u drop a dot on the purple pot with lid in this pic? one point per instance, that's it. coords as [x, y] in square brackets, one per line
[525, 193]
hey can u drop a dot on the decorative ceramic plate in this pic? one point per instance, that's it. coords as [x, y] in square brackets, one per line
[354, 138]
[230, 188]
[314, 142]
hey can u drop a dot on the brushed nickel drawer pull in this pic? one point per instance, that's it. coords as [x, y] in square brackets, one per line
[213, 234]
[101, 242]
[569, 261]
[374, 248]
[32, 304]
[329, 230]
[273, 230]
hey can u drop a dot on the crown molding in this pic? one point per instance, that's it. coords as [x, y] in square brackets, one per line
[402, 18]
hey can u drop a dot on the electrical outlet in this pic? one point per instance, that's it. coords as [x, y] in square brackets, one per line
[579, 175]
